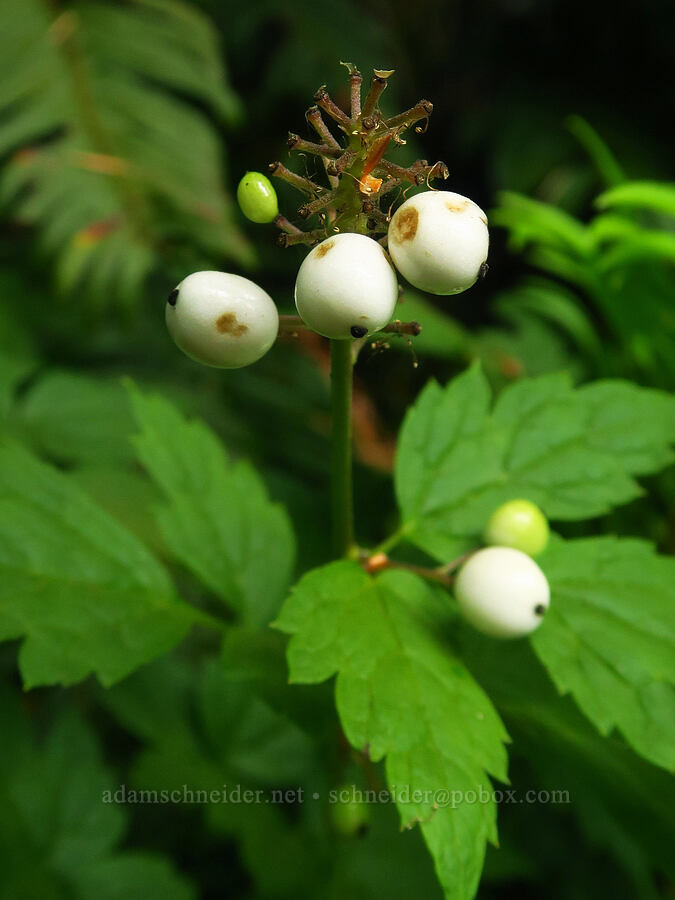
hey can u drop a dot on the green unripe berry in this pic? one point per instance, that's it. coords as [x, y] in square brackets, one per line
[349, 817]
[257, 198]
[518, 524]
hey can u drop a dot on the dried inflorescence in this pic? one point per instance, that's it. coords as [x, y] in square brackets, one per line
[357, 173]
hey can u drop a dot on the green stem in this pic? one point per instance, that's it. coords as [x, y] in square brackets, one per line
[341, 446]
[393, 540]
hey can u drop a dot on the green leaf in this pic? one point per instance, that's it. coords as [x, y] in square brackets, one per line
[58, 829]
[598, 151]
[86, 595]
[402, 694]
[17, 353]
[441, 335]
[74, 418]
[572, 452]
[107, 105]
[202, 727]
[218, 520]
[653, 195]
[644, 246]
[555, 304]
[620, 800]
[533, 221]
[609, 638]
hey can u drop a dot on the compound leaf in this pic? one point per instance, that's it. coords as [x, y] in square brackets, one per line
[573, 452]
[59, 825]
[218, 520]
[609, 637]
[84, 593]
[402, 694]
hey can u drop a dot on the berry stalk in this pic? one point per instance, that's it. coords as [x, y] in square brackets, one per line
[342, 512]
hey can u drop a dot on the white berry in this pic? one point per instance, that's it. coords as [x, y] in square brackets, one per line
[346, 287]
[438, 241]
[502, 592]
[221, 320]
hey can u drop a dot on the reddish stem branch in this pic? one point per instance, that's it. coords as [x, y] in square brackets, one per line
[377, 85]
[337, 166]
[421, 110]
[355, 80]
[380, 561]
[315, 119]
[324, 101]
[279, 170]
[301, 237]
[295, 142]
[283, 223]
[399, 327]
[414, 174]
[316, 205]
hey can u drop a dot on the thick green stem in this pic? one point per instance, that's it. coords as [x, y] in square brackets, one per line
[341, 447]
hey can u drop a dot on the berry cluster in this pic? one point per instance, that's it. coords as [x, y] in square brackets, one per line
[347, 286]
[500, 589]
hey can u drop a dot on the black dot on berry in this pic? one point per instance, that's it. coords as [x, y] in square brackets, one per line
[173, 296]
[539, 609]
[358, 331]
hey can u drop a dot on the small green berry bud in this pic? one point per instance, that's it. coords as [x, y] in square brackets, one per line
[257, 198]
[349, 817]
[518, 524]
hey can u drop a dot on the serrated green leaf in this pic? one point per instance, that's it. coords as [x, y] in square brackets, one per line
[614, 408]
[402, 695]
[58, 829]
[203, 728]
[571, 452]
[620, 800]
[75, 418]
[218, 520]
[83, 592]
[609, 638]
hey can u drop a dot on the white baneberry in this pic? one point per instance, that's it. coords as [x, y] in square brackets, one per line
[346, 287]
[502, 592]
[438, 241]
[221, 320]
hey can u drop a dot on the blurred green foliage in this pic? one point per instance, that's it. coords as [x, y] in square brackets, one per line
[124, 129]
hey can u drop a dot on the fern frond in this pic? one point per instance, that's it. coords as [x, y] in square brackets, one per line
[110, 154]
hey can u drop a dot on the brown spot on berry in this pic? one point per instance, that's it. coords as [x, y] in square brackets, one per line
[322, 249]
[405, 224]
[227, 324]
[456, 207]
[539, 609]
